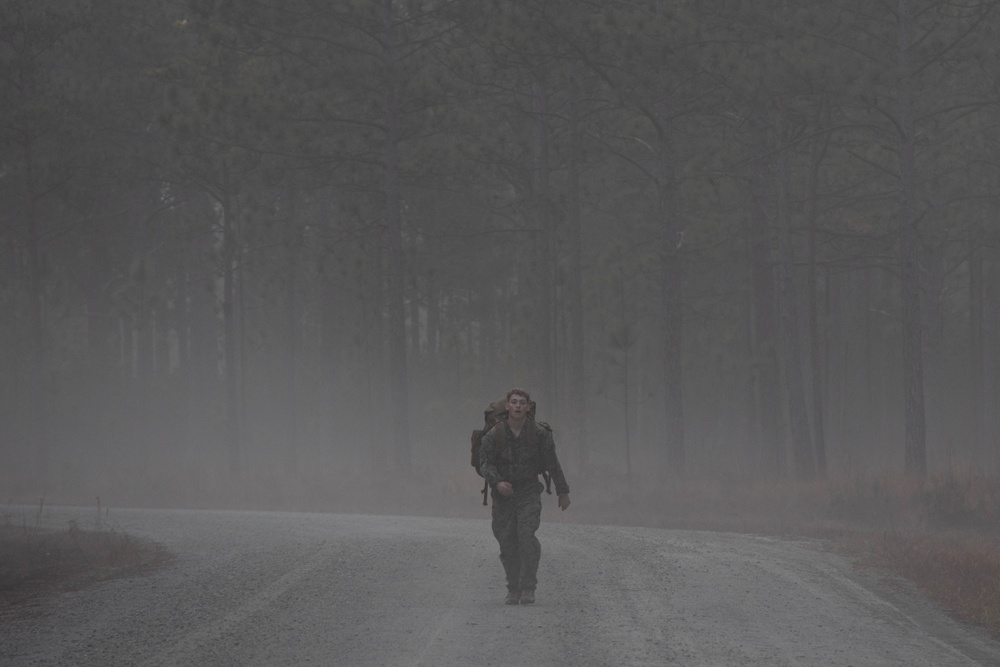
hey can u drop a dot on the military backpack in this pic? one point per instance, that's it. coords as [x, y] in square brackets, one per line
[496, 412]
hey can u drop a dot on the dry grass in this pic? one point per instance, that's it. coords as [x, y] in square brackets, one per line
[35, 560]
[943, 533]
[961, 571]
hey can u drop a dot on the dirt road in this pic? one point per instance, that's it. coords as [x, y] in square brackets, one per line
[321, 589]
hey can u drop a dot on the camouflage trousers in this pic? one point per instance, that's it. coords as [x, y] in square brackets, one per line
[515, 520]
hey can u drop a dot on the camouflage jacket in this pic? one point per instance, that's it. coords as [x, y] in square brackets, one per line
[504, 457]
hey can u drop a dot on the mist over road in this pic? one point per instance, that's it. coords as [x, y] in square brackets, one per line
[292, 589]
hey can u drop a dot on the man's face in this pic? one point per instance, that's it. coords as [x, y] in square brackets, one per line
[517, 406]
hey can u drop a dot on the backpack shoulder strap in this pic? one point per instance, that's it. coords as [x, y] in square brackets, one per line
[499, 433]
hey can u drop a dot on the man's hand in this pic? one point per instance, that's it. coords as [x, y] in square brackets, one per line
[506, 488]
[563, 501]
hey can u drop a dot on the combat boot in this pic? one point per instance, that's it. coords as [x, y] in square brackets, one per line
[513, 597]
[528, 596]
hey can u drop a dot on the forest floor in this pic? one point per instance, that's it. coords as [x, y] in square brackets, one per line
[942, 534]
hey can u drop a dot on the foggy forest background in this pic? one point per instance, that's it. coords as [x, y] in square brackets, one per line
[264, 252]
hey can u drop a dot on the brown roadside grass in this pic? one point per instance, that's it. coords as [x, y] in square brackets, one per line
[960, 571]
[940, 533]
[35, 560]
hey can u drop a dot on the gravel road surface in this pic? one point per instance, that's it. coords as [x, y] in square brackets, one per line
[322, 589]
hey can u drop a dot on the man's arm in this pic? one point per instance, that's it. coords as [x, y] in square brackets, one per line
[550, 462]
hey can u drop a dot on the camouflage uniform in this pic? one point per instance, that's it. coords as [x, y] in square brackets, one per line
[519, 460]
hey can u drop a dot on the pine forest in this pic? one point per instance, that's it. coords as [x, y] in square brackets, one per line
[265, 253]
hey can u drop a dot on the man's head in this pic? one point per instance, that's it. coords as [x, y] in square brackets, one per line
[518, 404]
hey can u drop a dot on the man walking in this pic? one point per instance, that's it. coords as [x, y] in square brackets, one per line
[514, 452]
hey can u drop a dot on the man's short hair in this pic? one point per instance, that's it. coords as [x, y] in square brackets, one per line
[520, 392]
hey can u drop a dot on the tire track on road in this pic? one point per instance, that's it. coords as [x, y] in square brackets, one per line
[186, 648]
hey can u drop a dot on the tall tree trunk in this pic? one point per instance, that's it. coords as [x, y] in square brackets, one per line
[544, 269]
[373, 308]
[433, 318]
[798, 414]
[932, 285]
[991, 357]
[576, 397]
[38, 404]
[764, 334]
[977, 358]
[820, 142]
[915, 453]
[200, 326]
[230, 334]
[753, 444]
[398, 374]
[672, 288]
[413, 314]
[290, 342]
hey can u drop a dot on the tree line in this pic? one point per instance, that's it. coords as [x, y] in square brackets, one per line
[719, 237]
